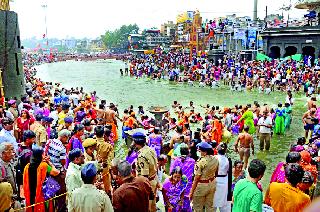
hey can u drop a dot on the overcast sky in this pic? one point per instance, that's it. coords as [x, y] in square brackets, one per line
[91, 18]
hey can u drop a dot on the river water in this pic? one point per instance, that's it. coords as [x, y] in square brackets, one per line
[104, 77]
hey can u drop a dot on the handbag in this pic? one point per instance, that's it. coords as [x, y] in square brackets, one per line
[50, 187]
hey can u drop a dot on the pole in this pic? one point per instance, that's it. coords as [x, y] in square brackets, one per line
[223, 41]
[255, 11]
[44, 6]
[266, 17]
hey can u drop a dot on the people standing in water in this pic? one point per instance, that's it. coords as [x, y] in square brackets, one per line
[246, 141]
[309, 120]
[279, 121]
[247, 116]
[287, 116]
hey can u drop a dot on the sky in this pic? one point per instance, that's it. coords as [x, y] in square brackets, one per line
[91, 18]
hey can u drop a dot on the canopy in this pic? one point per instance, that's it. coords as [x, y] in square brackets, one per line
[262, 57]
[297, 57]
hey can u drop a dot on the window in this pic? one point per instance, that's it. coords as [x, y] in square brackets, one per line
[17, 63]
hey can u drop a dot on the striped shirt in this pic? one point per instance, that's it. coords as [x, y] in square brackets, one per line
[56, 151]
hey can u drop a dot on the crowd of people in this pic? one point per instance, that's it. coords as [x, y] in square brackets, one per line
[239, 74]
[59, 151]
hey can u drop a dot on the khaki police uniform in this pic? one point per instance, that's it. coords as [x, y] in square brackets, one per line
[206, 167]
[106, 154]
[41, 134]
[147, 166]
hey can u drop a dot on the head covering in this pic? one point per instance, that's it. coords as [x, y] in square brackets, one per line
[27, 106]
[204, 146]
[89, 142]
[47, 119]
[89, 170]
[68, 119]
[12, 101]
[139, 137]
[305, 156]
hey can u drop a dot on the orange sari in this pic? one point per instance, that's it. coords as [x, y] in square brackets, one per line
[41, 176]
[114, 131]
[217, 131]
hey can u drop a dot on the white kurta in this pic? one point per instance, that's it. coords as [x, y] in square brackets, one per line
[220, 196]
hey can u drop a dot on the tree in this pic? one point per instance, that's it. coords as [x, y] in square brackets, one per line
[119, 37]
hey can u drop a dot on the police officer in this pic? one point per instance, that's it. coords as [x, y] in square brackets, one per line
[146, 164]
[204, 184]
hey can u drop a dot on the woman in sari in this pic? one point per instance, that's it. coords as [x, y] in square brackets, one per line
[173, 190]
[287, 116]
[186, 163]
[279, 173]
[23, 123]
[248, 120]
[237, 173]
[217, 130]
[34, 176]
[76, 140]
[305, 163]
[279, 128]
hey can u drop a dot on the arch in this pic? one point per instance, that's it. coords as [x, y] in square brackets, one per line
[290, 50]
[309, 51]
[275, 52]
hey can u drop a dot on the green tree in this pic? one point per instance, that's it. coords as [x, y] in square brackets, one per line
[119, 37]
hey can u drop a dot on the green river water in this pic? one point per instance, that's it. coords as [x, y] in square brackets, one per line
[104, 77]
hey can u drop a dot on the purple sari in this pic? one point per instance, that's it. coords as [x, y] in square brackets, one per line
[155, 142]
[175, 192]
[187, 167]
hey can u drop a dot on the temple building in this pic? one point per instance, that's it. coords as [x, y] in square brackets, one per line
[287, 41]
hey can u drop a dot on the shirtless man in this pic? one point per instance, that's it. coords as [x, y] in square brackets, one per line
[309, 121]
[101, 113]
[110, 116]
[312, 103]
[178, 137]
[246, 140]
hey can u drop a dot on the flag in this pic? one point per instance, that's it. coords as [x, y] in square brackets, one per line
[44, 35]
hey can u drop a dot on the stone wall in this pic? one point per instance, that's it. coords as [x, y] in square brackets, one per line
[10, 55]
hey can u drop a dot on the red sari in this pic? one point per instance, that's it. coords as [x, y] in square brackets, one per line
[24, 125]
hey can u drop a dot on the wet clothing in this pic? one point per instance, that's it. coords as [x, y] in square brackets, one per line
[175, 193]
[248, 121]
[279, 122]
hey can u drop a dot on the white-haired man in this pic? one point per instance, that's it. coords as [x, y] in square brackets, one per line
[7, 167]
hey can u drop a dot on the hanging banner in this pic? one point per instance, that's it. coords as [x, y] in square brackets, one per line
[190, 15]
[252, 34]
[239, 34]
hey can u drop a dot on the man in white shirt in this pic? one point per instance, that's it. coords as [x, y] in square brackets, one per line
[6, 134]
[73, 176]
[265, 125]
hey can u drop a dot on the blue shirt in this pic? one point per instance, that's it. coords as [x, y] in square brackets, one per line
[7, 136]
